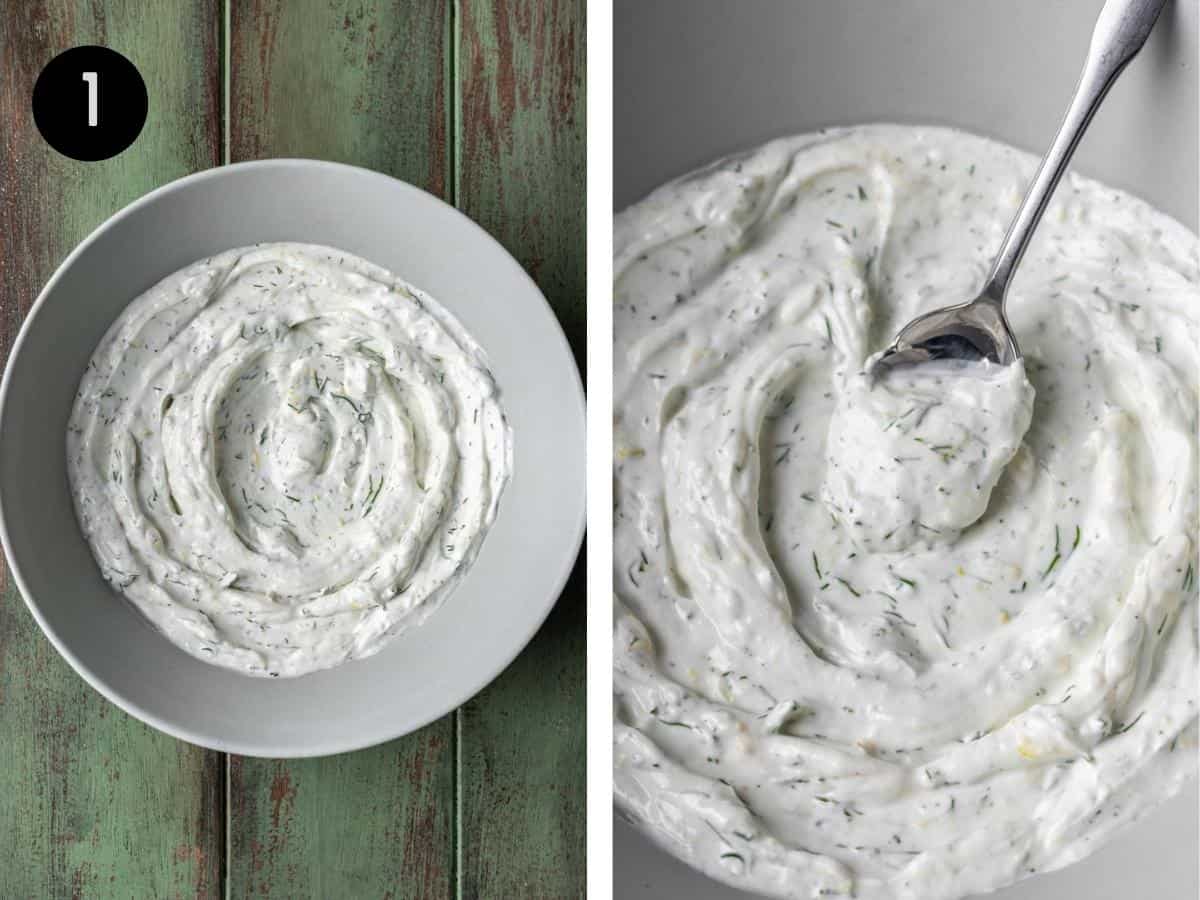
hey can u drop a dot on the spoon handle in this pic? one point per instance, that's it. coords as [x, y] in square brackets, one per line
[1121, 29]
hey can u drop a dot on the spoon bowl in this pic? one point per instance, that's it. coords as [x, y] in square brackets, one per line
[970, 332]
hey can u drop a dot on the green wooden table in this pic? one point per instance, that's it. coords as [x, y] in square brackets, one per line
[479, 102]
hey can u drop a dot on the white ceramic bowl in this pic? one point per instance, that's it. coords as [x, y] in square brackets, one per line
[426, 671]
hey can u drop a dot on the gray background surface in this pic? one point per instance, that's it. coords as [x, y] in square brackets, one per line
[697, 79]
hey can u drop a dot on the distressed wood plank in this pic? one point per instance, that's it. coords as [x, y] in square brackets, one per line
[376, 823]
[521, 174]
[522, 169]
[362, 83]
[349, 81]
[92, 802]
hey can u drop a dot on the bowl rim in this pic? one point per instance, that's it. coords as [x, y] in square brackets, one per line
[334, 744]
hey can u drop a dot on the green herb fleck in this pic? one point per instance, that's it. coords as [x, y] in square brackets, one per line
[343, 397]
[372, 493]
[675, 724]
[1124, 728]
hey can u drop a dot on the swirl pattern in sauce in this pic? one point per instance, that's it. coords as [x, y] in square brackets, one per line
[914, 660]
[284, 455]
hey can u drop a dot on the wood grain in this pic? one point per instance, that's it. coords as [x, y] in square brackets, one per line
[376, 823]
[355, 81]
[364, 83]
[92, 802]
[521, 173]
[480, 103]
[522, 144]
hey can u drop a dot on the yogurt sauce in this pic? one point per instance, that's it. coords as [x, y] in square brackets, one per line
[285, 455]
[924, 638]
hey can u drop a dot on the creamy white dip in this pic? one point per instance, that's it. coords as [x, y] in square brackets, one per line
[917, 639]
[285, 455]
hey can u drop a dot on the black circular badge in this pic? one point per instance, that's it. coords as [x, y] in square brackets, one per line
[90, 103]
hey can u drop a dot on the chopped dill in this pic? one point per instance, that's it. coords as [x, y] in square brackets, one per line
[1124, 728]
[1057, 554]
[343, 397]
[372, 493]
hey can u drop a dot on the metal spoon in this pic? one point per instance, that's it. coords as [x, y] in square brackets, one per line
[978, 329]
